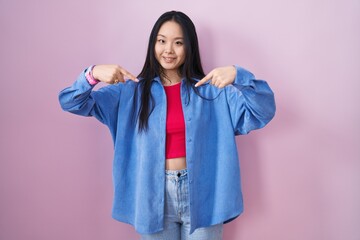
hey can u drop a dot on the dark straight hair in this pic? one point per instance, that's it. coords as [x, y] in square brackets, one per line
[191, 68]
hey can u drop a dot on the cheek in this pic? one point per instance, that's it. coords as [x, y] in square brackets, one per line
[157, 55]
[180, 52]
[183, 55]
[157, 50]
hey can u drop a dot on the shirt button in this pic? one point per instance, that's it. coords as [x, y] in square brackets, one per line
[189, 119]
[191, 181]
[189, 140]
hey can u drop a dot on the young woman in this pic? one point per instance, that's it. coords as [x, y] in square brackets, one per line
[176, 170]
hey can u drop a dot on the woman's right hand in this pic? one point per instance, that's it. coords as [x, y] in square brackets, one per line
[112, 74]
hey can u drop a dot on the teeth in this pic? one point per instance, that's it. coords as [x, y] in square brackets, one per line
[169, 59]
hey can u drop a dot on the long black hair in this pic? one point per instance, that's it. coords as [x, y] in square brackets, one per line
[191, 68]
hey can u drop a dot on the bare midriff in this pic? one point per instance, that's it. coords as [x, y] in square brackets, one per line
[175, 163]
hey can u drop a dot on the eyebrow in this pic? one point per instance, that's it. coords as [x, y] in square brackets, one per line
[165, 36]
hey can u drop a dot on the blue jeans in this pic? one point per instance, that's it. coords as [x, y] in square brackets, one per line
[177, 213]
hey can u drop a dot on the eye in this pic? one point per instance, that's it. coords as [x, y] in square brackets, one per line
[179, 43]
[161, 41]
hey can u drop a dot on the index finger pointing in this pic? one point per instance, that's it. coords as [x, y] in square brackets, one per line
[129, 75]
[205, 79]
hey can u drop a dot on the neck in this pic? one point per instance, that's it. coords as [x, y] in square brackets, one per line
[170, 77]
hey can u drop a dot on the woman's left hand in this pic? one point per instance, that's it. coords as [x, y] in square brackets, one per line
[219, 77]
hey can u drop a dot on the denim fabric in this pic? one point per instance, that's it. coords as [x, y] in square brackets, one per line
[177, 213]
[213, 117]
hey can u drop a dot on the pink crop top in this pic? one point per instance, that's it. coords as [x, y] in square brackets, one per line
[175, 124]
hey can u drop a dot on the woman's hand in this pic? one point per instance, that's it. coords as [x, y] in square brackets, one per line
[112, 74]
[219, 77]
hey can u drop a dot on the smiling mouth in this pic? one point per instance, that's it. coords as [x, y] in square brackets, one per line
[168, 59]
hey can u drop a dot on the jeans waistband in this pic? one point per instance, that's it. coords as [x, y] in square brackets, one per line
[176, 173]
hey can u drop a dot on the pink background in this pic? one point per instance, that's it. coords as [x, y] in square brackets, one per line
[301, 174]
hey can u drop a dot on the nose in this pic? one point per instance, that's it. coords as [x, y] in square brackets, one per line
[168, 48]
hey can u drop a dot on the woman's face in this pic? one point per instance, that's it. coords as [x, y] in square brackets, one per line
[169, 46]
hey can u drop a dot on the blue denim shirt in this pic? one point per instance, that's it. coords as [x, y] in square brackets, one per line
[211, 152]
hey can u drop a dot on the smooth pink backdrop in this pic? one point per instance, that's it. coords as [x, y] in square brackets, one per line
[301, 174]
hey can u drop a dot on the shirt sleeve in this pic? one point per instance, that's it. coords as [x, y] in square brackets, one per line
[251, 102]
[81, 99]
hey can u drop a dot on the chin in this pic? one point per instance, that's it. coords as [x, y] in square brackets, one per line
[167, 67]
